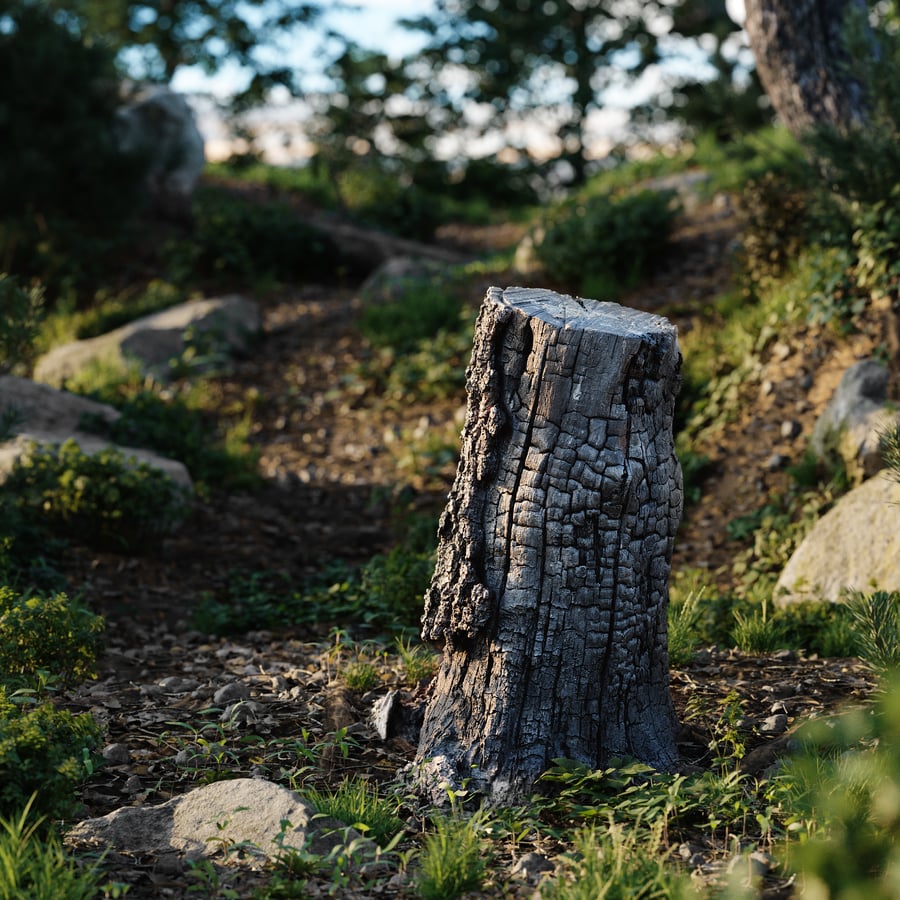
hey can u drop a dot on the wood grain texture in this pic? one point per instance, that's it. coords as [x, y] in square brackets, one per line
[551, 586]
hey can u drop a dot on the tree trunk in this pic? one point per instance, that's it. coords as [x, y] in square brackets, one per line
[801, 60]
[551, 585]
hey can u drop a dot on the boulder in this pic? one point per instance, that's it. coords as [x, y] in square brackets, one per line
[261, 817]
[48, 416]
[214, 325]
[159, 125]
[855, 419]
[855, 545]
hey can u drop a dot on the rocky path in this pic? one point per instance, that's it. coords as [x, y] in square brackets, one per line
[327, 456]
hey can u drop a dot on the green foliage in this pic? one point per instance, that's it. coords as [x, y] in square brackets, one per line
[175, 425]
[454, 859]
[683, 637]
[774, 230]
[604, 244]
[419, 662]
[841, 796]
[616, 863]
[385, 595]
[756, 632]
[102, 499]
[44, 752]
[19, 323]
[237, 240]
[890, 450]
[876, 621]
[33, 863]
[356, 802]
[389, 200]
[416, 312]
[52, 633]
[360, 675]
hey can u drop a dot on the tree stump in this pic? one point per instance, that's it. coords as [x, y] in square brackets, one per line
[551, 587]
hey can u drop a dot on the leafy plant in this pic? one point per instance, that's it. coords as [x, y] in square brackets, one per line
[356, 802]
[44, 754]
[103, 499]
[33, 863]
[52, 633]
[360, 675]
[603, 244]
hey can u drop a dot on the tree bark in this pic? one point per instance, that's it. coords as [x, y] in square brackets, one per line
[801, 60]
[551, 585]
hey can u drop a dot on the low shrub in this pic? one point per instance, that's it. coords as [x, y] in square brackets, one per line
[52, 633]
[236, 240]
[104, 500]
[45, 753]
[604, 244]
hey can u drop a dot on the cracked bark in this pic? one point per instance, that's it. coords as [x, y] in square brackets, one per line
[802, 61]
[550, 591]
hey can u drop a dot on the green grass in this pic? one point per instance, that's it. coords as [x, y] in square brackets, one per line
[33, 864]
[357, 802]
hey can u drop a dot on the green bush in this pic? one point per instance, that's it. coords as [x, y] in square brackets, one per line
[173, 428]
[604, 244]
[52, 633]
[389, 200]
[417, 312]
[44, 752]
[101, 500]
[19, 323]
[238, 240]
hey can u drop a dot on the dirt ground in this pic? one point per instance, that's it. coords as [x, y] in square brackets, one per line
[328, 457]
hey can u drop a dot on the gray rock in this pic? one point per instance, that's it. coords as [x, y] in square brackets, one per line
[790, 429]
[531, 867]
[116, 754]
[48, 416]
[159, 124]
[152, 342]
[229, 693]
[855, 418]
[224, 813]
[776, 724]
[855, 545]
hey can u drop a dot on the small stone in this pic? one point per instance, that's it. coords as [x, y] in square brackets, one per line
[776, 461]
[133, 785]
[176, 684]
[778, 708]
[755, 865]
[806, 382]
[774, 724]
[530, 867]
[766, 388]
[228, 693]
[790, 429]
[116, 754]
[242, 712]
[785, 655]
[781, 351]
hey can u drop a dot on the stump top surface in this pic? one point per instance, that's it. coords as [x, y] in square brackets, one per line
[563, 311]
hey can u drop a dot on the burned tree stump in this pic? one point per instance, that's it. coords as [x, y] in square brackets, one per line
[551, 587]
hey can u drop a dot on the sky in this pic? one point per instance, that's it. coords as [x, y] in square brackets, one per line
[372, 24]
